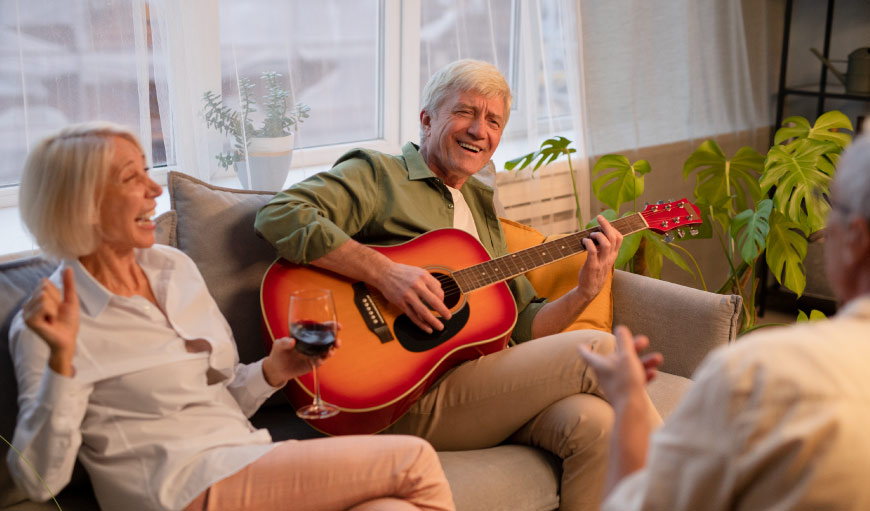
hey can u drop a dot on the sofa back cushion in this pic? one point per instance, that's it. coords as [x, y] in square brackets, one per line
[215, 227]
[557, 278]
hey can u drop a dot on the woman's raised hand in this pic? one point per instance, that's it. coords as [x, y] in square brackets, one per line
[55, 319]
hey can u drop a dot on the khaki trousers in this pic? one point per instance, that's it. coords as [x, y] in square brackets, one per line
[361, 473]
[538, 393]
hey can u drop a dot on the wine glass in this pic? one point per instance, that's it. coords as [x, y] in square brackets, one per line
[313, 325]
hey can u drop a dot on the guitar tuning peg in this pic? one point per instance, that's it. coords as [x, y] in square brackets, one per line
[669, 237]
[660, 202]
[670, 200]
[681, 233]
[645, 205]
[693, 231]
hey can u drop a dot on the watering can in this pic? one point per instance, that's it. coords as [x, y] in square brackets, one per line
[857, 77]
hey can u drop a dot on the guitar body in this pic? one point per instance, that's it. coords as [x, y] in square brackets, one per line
[385, 362]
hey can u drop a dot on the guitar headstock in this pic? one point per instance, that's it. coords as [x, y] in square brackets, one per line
[667, 216]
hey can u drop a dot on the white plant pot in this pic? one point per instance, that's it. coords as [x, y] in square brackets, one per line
[267, 165]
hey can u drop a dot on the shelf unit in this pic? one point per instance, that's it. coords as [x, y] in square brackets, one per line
[823, 93]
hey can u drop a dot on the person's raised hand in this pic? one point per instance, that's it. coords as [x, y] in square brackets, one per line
[623, 373]
[55, 319]
[601, 254]
[416, 292]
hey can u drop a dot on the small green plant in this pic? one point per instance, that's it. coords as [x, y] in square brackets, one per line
[618, 183]
[279, 119]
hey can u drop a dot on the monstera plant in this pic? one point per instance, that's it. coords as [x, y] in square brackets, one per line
[753, 204]
[618, 185]
[771, 205]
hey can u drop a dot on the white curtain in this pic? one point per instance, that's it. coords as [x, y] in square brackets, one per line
[535, 45]
[66, 62]
[662, 71]
[186, 64]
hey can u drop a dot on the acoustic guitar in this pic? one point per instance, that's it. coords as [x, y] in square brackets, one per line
[386, 363]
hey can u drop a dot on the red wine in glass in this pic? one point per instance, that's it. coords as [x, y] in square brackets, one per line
[313, 338]
[313, 324]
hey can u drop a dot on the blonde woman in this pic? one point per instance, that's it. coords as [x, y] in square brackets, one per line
[124, 360]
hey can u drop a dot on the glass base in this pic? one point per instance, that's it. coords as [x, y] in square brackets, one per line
[314, 411]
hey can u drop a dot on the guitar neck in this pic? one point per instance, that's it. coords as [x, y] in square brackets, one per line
[517, 263]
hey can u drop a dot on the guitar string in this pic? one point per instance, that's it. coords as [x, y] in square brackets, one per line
[482, 280]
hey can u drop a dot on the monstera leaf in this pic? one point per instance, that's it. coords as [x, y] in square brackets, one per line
[654, 253]
[622, 184]
[717, 211]
[815, 315]
[786, 250]
[718, 177]
[550, 149]
[800, 171]
[823, 129]
[749, 228]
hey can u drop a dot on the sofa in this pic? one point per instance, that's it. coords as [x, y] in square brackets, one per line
[213, 225]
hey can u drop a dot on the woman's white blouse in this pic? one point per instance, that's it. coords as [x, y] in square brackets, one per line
[155, 414]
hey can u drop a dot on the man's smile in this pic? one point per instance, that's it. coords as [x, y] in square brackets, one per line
[470, 147]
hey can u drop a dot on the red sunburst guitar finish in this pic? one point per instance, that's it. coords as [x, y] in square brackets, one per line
[385, 362]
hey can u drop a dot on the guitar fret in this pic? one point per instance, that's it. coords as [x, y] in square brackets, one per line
[517, 263]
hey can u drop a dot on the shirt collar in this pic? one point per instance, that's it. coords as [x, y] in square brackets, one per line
[417, 168]
[93, 296]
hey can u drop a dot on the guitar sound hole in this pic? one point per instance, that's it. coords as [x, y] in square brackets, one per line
[452, 294]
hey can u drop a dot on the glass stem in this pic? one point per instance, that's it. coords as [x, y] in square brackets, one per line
[317, 402]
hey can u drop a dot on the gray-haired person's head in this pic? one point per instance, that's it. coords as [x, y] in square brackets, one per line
[851, 185]
[466, 75]
[61, 187]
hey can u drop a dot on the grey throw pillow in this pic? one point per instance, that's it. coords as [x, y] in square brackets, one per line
[215, 227]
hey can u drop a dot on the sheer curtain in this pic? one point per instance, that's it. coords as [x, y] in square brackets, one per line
[65, 62]
[534, 44]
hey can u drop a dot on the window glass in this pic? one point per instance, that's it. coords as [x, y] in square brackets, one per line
[328, 56]
[66, 62]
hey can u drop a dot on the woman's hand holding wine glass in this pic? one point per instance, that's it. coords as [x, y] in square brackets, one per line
[285, 362]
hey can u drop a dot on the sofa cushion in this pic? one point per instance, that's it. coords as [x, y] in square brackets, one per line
[478, 478]
[557, 278]
[17, 279]
[215, 227]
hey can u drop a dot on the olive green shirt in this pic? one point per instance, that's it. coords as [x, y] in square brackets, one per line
[381, 199]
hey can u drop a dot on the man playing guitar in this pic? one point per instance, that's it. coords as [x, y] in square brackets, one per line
[536, 393]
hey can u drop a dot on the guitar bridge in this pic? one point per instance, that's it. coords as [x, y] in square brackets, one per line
[370, 313]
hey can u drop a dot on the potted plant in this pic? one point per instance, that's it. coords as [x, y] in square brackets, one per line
[618, 185]
[261, 156]
[755, 205]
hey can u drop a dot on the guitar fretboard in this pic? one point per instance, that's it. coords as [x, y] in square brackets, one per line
[517, 263]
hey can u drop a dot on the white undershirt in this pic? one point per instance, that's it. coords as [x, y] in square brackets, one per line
[462, 218]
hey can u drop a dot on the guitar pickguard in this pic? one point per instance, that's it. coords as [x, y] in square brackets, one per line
[413, 339]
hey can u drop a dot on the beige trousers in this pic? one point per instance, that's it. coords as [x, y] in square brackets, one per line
[538, 393]
[361, 473]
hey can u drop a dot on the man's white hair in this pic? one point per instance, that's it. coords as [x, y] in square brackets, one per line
[466, 75]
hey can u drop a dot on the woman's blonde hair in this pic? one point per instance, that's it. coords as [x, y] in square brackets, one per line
[60, 192]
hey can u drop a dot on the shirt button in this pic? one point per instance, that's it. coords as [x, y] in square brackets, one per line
[450, 205]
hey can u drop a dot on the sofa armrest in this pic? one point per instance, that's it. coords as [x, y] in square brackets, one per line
[682, 323]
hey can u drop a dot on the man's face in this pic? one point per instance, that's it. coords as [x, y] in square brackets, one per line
[461, 135]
